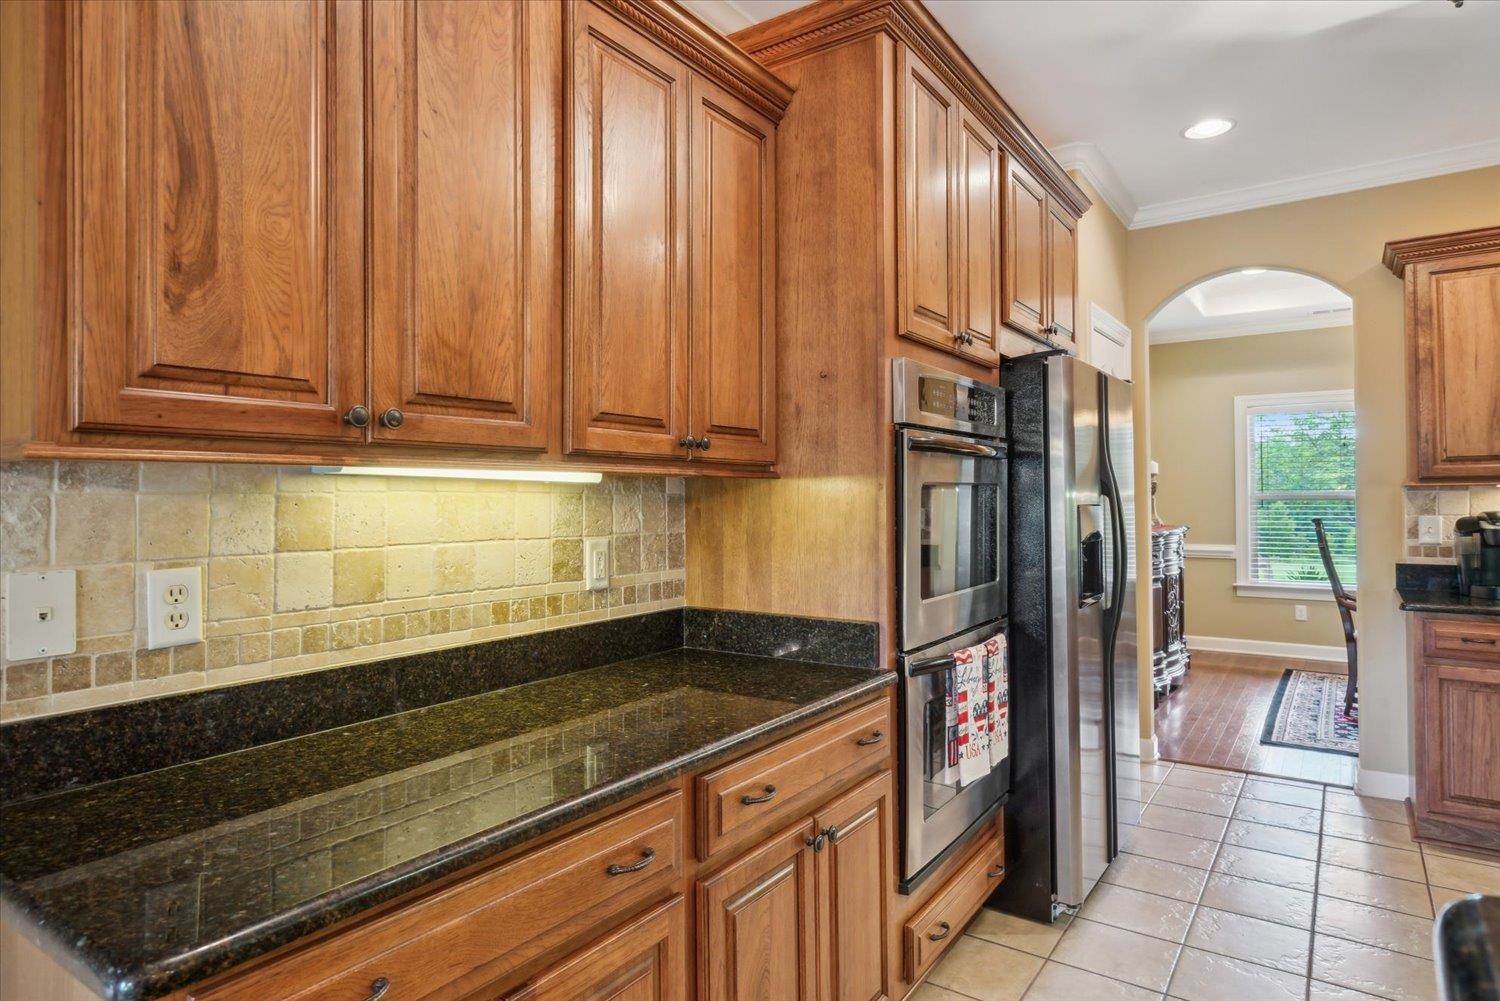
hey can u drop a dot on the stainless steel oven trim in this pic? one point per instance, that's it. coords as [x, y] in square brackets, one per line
[925, 621]
[906, 375]
[925, 839]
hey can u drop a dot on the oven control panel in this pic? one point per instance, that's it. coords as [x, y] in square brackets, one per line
[930, 397]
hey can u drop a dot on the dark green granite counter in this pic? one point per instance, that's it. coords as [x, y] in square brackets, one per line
[1426, 587]
[146, 883]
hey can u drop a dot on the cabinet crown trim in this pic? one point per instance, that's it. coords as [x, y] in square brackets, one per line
[1399, 253]
[707, 51]
[828, 24]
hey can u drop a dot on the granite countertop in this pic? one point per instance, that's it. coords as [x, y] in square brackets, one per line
[143, 884]
[1424, 587]
[1468, 949]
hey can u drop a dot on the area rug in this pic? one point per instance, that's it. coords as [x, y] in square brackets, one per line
[1308, 711]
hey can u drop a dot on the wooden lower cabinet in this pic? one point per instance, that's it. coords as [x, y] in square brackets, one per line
[855, 873]
[644, 961]
[1457, 661]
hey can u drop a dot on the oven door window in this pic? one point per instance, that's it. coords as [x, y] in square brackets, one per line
[960, 545]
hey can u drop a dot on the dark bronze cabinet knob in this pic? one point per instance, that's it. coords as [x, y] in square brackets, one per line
[357, 416]
[379, 987]
[704, 443]
[688, 442]
[392, 418]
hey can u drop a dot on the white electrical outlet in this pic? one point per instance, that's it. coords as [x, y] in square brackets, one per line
[41, 614]
[174, 607]
[1429, 529]
[1299, 612]
[596, 563]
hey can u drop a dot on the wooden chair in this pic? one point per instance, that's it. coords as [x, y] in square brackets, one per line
[1347, 607]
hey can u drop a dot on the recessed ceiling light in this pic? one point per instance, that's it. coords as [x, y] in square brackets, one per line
[1252, 271]
[1208, 128]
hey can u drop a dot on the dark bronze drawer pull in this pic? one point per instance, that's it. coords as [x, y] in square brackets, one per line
[378, 987]
[873, 738]
[766, 797]
[1477, 642]
[939, 936]
[996, 872]
[647, 857]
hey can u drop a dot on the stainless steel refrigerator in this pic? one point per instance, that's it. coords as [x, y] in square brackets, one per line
[1075, 728]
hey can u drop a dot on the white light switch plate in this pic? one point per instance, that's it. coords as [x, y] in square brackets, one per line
[1429, 529]
[41, 614]
[174, 607]
[596, 563]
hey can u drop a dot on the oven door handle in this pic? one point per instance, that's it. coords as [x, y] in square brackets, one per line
[929, 665]
[952, 446]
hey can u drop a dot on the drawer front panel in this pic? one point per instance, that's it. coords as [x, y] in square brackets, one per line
[771, 786]
[1469, 639]
[938, 925]
[478, 931]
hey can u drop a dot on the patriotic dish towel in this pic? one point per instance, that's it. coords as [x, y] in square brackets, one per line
[980, 700]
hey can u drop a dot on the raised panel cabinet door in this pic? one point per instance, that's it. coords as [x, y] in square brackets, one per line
[1062, 273]
[643, 961]
[1459, 723]
[218, 278]
[1022, 304]
[928, 276]
[979, 185]
[466, 279]
[1456, 403]
[855, 881]
[757, 934]
[733, 344]
[627, 375]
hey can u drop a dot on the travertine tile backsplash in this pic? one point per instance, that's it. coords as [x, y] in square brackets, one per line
[303, 572]
[1450, 504]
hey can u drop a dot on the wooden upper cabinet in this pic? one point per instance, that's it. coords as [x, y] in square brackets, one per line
[466, 279]
[856, 872]
[733, 342]
[1062, 273]
[757, 924]
[1023, 304]
[928, 228]
[627, 379]
[217, 280]
[979, 186]
[1452, 329]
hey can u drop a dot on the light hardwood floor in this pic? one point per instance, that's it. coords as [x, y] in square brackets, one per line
[1215, 719]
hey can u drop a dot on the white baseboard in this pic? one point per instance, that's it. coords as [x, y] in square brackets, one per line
[1267, 648]
[1149, 750]
[1383, 785]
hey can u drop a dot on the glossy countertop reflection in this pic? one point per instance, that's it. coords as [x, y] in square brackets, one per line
[147, 883]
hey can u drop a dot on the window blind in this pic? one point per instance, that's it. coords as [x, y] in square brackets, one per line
[1301, 467]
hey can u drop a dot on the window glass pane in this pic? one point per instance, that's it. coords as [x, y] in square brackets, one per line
[1309, 453]
[1312, 450]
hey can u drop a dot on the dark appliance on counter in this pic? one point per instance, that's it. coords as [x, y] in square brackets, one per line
[951, 580]
[1075, 729]
[1476, 544]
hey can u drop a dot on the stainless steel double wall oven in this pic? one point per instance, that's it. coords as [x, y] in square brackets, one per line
[951, 464]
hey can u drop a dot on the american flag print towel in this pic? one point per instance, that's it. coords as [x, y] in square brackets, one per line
[982, 697]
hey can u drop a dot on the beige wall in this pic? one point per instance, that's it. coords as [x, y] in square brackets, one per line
[1193, 386]
[1339, 239]
[305, 572]
[1101, 262]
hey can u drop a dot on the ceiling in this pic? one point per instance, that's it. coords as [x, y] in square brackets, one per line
[1240, 304]
[1327, 95]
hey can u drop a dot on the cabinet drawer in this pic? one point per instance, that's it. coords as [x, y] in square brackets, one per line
[644, 960]
[770, 786]
[1470, 639]
[476, 932]
[939, 924]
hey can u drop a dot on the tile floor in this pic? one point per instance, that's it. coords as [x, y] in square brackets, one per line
[1235, 888]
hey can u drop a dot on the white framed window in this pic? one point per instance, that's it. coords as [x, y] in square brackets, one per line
[1294, 461]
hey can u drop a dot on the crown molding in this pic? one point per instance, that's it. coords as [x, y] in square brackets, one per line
[1399, 253]
[1091, 164]
[1250, 328]
[1332, 182]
